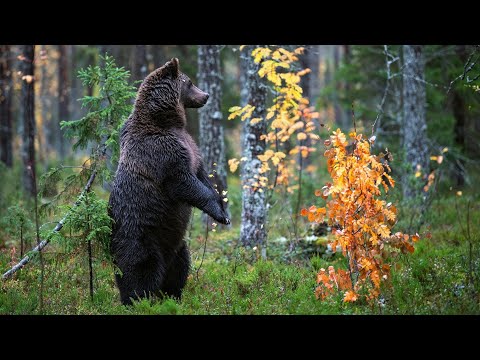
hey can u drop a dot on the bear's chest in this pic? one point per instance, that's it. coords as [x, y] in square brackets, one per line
[192, 149]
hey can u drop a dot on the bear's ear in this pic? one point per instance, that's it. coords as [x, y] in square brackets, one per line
[171, 68]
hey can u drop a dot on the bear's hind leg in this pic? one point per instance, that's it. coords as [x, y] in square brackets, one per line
[177, 273]
[140, 281]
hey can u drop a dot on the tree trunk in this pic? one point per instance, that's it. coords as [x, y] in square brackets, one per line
[459, 110]
[414, 129]
[63, 98]
[46, 103]
[212, 142]
[140, 63]
[253, 229]
[6, 90]
[28, 105]
[339, 115]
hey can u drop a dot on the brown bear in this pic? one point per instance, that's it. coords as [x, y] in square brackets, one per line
[160, 176]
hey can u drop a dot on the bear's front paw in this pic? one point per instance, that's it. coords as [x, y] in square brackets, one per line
[224, 220]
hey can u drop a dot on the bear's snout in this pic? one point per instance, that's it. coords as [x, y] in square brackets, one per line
[207, 95]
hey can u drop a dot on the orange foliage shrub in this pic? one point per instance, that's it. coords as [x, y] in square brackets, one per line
[361, 221]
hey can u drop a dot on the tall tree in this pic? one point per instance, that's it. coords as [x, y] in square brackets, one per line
[140, 63]
[414, 127]
[27, 57]
[63, 97]
[459, 109]
[6, 90]
[253, 229]
[212, 142]
[309, 60]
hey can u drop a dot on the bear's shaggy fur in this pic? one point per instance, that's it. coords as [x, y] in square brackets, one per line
[160, 176]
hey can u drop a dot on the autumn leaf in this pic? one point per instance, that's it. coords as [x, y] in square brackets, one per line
[233, 164]
[27, 78]
[415, 237]
[350, 296]
[318, 192]
[301, 136]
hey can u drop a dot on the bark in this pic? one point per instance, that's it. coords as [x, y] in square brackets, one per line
[63, 98]
[414, 129]
[253, 229]
[460, 114]
[340, 118]
[6, 91]
[46, 104]
[28, 105]
[212, 142]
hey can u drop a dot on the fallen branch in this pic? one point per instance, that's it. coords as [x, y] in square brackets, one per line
[57, 228]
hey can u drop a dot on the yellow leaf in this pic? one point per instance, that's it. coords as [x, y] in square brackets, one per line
[275, 160]
[270, 115]
[459, 193]
[299, 50]
[301, 136]
[233, 164]
[383, 231]
[445, 149]
[280, 155]
[433, 158]
[242, 47]
[263, 157]
[255, 121]
[418, 174]
[27, 78]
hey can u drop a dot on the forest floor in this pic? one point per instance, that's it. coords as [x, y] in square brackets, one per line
[440, 277]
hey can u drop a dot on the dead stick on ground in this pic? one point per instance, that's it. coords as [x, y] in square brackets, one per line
[57, 228]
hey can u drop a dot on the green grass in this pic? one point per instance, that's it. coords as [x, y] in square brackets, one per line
[440, 277]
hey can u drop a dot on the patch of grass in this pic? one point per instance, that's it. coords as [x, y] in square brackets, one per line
[442, 276]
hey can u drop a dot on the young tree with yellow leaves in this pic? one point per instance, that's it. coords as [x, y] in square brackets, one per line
[267, 130]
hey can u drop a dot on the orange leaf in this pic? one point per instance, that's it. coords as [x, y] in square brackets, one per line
[304, 212]
[350, 296]
[318, 192]
[415, 237]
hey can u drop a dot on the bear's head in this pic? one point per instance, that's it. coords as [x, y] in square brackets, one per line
[166, 92]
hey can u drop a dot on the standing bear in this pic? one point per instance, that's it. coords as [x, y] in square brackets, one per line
[160, 176]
